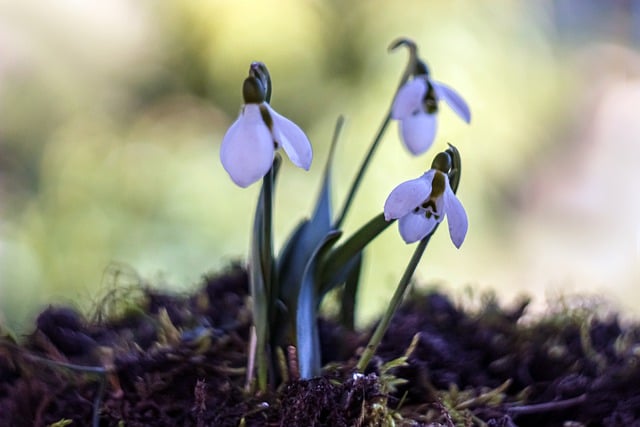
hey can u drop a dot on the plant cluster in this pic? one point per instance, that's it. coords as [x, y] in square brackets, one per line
[287, 289]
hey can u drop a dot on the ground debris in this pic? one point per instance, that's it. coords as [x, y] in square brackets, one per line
[180, 360]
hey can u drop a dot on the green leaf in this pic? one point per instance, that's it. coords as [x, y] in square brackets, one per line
[308, 340]
[291, 262]
[298, 250]
[301, 245]
[349, 294]
[336, 266]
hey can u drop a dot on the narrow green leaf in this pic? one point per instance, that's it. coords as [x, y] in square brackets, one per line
[349, 294]
[306, 237]
[304, 240]
[308, 340]
[291, 262]
[336, 265]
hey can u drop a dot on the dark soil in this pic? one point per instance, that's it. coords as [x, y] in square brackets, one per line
[179, 361]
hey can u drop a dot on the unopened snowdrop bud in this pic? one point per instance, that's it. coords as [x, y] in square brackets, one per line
[249, 145]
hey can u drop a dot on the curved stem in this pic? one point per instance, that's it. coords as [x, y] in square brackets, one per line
[413, 58]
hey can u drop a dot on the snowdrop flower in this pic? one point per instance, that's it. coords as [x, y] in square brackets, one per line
[416, 105]
[249, 145]
[421, 203]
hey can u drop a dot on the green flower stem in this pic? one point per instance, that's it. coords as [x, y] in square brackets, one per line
[263, 311]
[413, 57]
[362, 170]
[267, 260]
[381, 329]
[267, 244]
[262, 275]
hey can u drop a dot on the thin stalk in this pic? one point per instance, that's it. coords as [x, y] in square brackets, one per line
[266, 265]
[267, 185]
[267, 244]
[381, 329]
[383, 127]
[556, 405]
[100, 371]
[363, 167]
[97, 402]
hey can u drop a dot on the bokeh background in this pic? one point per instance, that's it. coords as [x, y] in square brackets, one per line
[112, 113]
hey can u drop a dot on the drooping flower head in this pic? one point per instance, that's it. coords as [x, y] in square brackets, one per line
[421, 203]
[249, 145]
[416, 107]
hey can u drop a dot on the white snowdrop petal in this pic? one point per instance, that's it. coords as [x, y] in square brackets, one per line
[415, 226]
[406, 197]
[453, 99]
[293, 140]
[456, 217]
[409, 98]
[418, 132]
[247, 149]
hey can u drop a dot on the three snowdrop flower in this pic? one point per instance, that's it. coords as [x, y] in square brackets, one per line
[249, 145]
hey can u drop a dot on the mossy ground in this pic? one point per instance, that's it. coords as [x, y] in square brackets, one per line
[179, 361]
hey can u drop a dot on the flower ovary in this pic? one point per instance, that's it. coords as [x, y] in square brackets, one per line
[253, 91]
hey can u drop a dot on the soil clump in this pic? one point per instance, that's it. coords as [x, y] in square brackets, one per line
[179, 360]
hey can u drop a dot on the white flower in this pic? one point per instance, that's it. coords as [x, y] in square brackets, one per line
[249, 145]
[420, 204]
[416, 106]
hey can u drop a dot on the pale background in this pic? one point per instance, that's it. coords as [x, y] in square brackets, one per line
[111, 116]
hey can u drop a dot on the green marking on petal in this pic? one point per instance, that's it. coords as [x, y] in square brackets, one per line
[266, 118]
[430, 101]
[438, 185]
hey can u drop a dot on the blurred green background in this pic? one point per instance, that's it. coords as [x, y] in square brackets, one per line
[111, 117]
